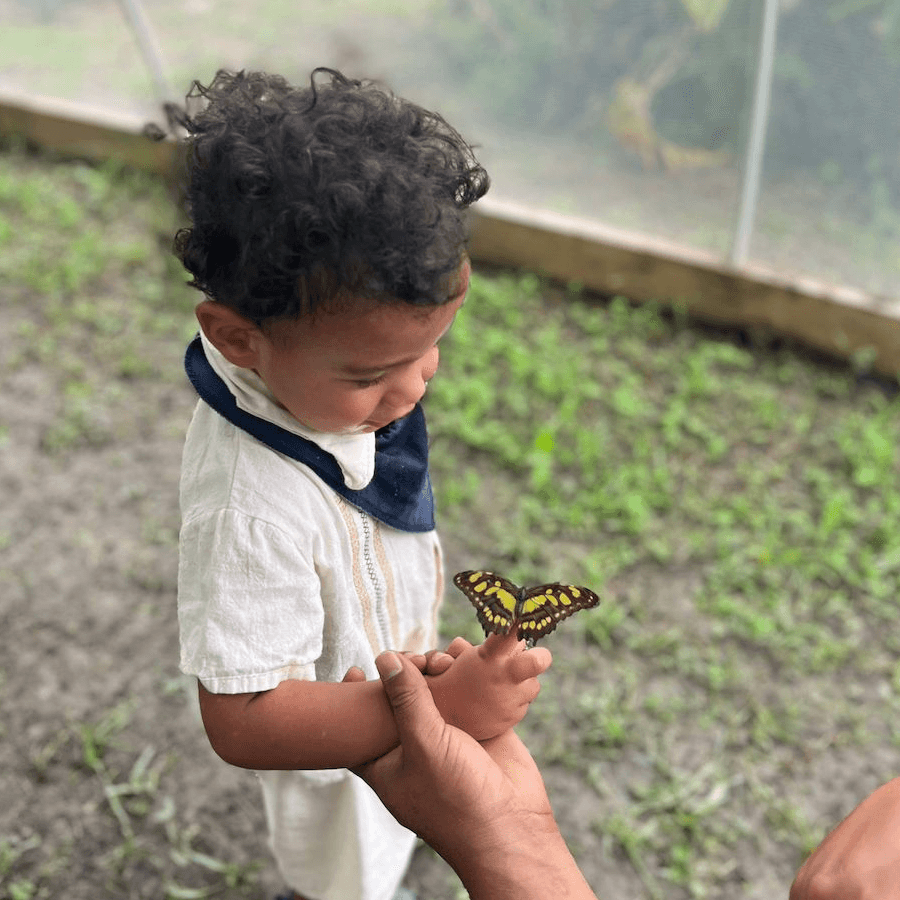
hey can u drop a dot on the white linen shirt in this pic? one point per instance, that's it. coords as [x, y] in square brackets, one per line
[281, 578]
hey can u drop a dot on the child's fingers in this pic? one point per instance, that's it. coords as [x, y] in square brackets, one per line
[436, 662]
[529, 689]
[530, 663]
[502, 644]
[457, 646]
[419, 660]
[355, 673]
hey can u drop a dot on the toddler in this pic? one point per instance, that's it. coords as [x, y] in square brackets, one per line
[327, 236]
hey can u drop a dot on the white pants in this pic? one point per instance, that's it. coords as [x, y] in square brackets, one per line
[332, 837]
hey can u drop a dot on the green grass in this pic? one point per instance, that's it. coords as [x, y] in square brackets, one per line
[736, 509]
[637, 452]
[641, 442]
[72, 237]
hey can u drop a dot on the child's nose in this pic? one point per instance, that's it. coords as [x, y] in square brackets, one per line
[408, 389]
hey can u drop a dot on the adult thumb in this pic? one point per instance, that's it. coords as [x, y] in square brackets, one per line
[415, 714]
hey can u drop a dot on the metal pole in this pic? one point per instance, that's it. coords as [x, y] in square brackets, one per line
[143, 31]
[756, 144]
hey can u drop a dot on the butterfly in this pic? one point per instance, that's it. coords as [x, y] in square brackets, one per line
[533, 611]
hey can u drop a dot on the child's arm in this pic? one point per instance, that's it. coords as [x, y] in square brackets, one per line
[323, 725]
[300, 725]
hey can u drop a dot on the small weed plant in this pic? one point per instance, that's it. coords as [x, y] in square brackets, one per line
[736, 508]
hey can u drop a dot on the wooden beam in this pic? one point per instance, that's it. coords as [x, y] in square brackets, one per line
[838, 320]
[85, 132]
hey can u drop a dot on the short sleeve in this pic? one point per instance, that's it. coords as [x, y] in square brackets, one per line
[250, 612]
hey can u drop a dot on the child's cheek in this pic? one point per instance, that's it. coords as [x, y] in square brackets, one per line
[357, 408]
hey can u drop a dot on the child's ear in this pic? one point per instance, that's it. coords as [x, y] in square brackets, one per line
[234, 336]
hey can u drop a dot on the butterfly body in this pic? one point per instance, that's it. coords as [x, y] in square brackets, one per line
[534, 611]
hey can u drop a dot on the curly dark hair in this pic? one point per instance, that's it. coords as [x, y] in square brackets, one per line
[300, 195]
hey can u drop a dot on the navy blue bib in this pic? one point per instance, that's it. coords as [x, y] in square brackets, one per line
[399, 493]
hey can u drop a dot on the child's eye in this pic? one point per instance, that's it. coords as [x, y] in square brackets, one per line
[370, 382]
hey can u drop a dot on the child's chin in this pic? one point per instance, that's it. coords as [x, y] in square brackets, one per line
[369, 427]
[365, 428]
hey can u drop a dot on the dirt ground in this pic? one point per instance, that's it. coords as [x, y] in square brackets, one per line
[109, 787]
[89, 679]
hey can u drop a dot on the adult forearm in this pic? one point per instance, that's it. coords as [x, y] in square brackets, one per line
[529, 869]
[301, 725]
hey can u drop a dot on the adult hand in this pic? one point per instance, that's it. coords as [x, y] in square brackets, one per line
[860, 859]
[483, 807]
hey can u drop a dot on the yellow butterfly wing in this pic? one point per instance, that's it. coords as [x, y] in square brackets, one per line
[493, 597]
[543, 607]
[501, 605]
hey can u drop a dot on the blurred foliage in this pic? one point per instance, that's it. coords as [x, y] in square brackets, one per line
[683, 73]
[837, 74]
[707, 14]
[557, 63]
[45, 10]
[883, 17]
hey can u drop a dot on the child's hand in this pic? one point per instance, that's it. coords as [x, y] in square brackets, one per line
[487, 689]
[436, 662]
[432, 662]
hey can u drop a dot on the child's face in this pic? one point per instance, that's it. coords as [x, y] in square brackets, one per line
[351, 371]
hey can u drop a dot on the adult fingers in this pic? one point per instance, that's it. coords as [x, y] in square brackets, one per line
[417, 718]
[859, 858]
